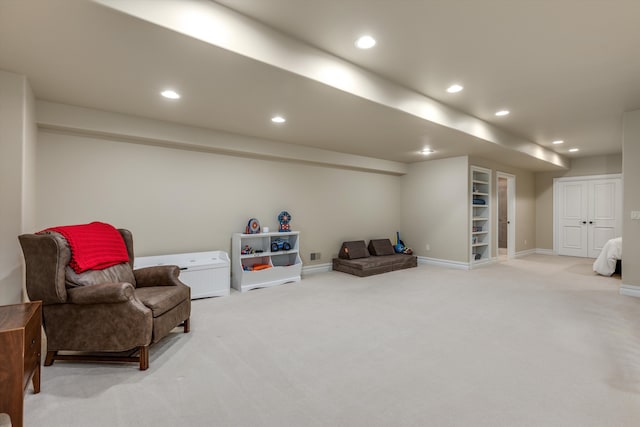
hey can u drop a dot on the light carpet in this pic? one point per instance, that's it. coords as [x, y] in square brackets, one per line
[534, 341]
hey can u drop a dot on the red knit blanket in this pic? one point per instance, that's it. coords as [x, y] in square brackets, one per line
[94, 246]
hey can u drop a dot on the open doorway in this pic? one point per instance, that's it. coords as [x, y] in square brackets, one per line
[506, 192]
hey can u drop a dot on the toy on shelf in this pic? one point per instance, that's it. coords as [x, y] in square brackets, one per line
[246, 250]
[253, 226]
[284, 218]
[280, 244]
[256, 267]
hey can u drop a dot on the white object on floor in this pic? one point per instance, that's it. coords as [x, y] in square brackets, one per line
[5, 421]
[206, 273]
[605, 264]
[284, 265]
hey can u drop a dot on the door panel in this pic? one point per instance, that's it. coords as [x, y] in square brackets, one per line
[604, 213]
[574, 201]
[573, 238]
[573, 205]
[502, 212]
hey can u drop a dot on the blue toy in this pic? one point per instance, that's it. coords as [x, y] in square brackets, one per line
[283, 218]
[280, 244]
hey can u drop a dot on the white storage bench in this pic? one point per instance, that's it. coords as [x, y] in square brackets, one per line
[207, 273]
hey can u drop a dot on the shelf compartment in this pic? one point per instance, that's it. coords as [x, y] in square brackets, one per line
[250, 262]
[284, 260]
[480, 214]
[267, 254]
[273, 276]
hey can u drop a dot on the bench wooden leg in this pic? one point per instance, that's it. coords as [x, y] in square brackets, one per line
[36, 379]
[186, 326]
[144, 357]
[51, 355]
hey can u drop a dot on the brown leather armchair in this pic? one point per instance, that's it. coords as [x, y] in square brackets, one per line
[116, 310]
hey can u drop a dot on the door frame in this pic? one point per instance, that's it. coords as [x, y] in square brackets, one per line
[511, 213]
[556, 200]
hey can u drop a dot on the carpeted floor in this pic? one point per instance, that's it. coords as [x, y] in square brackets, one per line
[535, 341]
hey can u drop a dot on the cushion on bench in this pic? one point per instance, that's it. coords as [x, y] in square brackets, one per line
[380, 247]
[353, 250]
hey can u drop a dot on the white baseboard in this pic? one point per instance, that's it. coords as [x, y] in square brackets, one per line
[316, 268]
[545, 251]
[524, 253]
[482, 264]
[630, 290]
[443, 263]
[538, 251]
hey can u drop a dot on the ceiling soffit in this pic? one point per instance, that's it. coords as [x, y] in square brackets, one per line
[224, 28]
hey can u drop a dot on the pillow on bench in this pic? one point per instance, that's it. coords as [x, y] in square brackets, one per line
[379, 247]
[353, 250]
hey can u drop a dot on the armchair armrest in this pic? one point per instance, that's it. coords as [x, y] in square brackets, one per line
[103, 293]
[162, 275]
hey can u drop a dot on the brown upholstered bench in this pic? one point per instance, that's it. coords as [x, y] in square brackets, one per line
[379, 257]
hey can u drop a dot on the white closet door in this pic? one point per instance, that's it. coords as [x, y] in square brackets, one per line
[604, 217]
[588, 214]
[572, 219]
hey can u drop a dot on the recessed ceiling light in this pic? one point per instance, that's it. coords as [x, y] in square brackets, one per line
[454, 88]
[365, 42]
[502, 112]
[171, 94]
[559, 141]
[278, 119]
[573, 150]
[427, 151]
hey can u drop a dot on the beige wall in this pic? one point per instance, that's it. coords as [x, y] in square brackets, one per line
[525, 204]
[596, 165]
[435, 209]
[631, 197]
[29, 166]
[177, 200]
[17, 139]
[198, 195]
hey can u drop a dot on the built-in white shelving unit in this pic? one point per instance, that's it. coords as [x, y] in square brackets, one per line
[278, 251]
[480, 215]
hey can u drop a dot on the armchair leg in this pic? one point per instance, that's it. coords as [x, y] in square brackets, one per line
[48, 360]
[144, 357]
[186, 326]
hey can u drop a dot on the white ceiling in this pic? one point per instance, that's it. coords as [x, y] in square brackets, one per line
[565, 69]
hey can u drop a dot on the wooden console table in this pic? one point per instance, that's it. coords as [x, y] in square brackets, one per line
[20, 338]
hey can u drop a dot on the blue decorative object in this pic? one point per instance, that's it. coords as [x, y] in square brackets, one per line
[399, 246]
[283, 218]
